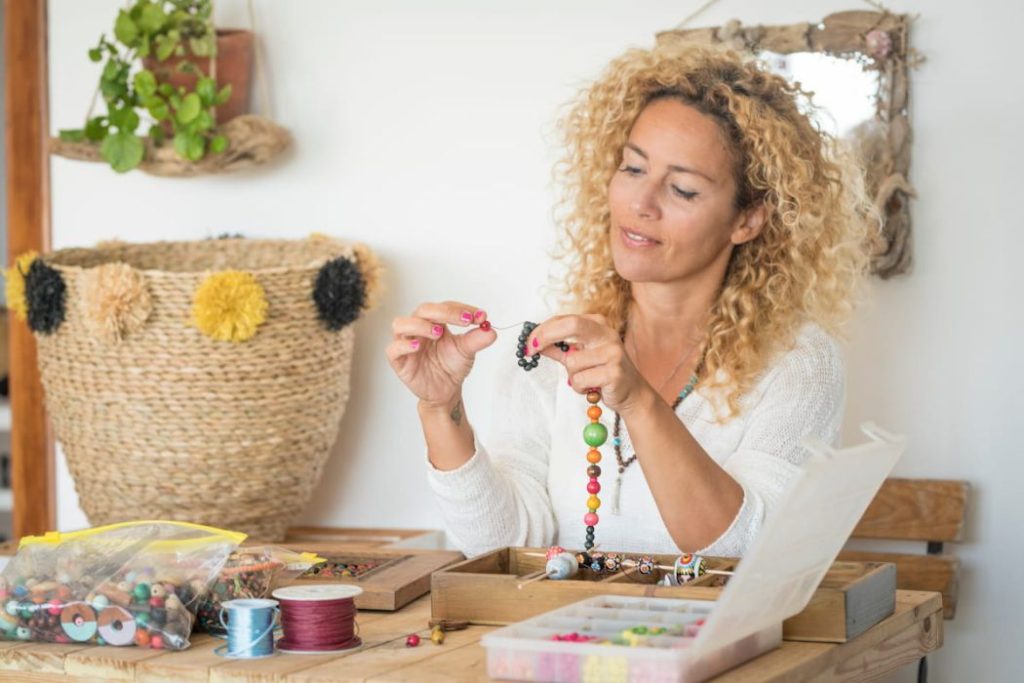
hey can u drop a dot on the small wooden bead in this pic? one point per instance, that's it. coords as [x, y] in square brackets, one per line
[485, 325]
[593, 456]
[593, 486]
[593, 396]
[594, 412]
[593, 503]
[593, 471]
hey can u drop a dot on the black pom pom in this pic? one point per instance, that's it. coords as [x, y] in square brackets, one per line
[339, 293]
[44, 297]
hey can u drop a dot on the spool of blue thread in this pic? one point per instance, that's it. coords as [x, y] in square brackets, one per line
[250, 628]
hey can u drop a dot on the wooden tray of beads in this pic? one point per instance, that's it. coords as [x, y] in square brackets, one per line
[390, 578]
[851, 598]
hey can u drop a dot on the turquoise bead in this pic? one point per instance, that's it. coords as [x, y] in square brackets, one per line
[142, 592]
[595, 434]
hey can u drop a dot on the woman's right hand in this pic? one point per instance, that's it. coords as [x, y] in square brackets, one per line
[431, 360]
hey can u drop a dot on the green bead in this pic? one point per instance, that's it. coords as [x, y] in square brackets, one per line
[142, 592]
[595, 434]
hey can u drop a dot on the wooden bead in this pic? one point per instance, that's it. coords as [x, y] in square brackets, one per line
[594, 456]
[594, 412]
[593, 396]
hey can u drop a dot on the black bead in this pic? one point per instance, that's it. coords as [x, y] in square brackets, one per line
[522, 338]
[588, 545]
[590, 537]
[528, 367]
[523, 363]
[520, 353]
[590, 529]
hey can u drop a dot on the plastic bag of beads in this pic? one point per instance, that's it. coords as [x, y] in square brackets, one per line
[250, 572]
[134, 583]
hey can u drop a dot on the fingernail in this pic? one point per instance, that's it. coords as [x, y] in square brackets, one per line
[467, 317]
[535, 343]
[480, 315]
[437, 330]
[415, 343]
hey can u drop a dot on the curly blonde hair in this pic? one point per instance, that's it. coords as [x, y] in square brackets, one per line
[810, 259]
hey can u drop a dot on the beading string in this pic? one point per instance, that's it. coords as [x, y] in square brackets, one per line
[250, 628]
[318, 625]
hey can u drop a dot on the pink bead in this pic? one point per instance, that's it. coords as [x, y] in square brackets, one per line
[593, 486]
[55, 606]
[590, 519]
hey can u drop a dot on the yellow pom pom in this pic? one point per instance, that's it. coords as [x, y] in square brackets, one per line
[14, 287]
[229, 306]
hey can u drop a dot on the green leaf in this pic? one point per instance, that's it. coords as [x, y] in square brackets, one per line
[206, 88]
[125, 119]
[190, 146]
[157, 108]
[204, 46]
[165, 47]
[175, 100]
[152, 18]
[224, 95]
[218, 144]
[196, 147]
[144, 45]
[96, 128]
[123, 151]
[190, 108]
[72, 135]
[166, 89]
[157, 134]
[204, 121]
[187, 67]
[125, 29]
[95, 54]
[145, 83]
[111, 70]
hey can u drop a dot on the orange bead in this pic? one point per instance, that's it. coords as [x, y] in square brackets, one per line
[141, 638]
[593, 503]
[594, 412]
[593, 396]
[594, 456]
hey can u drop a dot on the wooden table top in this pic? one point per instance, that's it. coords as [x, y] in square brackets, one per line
[914, 630]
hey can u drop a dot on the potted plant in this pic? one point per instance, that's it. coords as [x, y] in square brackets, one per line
[174, 89]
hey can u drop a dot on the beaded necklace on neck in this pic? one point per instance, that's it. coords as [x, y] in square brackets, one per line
[623, 464]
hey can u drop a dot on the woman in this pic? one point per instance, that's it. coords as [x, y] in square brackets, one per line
[715, 241]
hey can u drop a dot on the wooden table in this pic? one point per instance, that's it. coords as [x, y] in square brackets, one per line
[914, 630]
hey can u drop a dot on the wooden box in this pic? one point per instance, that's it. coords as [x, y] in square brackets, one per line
[486, 590]
[425, 539]
[391, 579]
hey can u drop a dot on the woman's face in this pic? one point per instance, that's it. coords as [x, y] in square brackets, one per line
[672, 198]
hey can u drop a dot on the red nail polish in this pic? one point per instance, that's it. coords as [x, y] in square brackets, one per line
[415, 343]
[479, 315]
[437, 330]
[535, 343]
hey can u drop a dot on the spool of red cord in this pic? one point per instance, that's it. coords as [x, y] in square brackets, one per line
[318, 619]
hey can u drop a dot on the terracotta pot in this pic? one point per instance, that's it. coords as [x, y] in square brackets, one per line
[234, 66]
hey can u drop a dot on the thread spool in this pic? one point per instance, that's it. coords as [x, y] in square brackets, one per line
[318, 619]
[250, 628]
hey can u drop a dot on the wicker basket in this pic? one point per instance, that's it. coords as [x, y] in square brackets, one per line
[168, 423]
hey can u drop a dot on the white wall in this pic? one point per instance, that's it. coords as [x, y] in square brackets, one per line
[424, 129]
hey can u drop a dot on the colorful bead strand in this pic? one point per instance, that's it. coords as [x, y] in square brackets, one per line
[594, 434]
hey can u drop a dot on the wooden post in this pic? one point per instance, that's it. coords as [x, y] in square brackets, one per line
[28, 226]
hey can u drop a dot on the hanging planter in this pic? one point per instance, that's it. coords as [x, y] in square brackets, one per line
[184, 112]
[197, 381]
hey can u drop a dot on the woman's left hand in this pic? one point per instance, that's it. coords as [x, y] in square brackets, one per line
[597, 358]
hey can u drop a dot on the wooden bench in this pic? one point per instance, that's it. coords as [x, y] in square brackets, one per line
[931, 511]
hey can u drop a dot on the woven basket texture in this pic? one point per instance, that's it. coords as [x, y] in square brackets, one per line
[170, 424]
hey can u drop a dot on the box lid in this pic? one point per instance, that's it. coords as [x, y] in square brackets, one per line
[798, 543]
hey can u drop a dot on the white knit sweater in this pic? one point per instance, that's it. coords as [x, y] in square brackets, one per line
[526, 482]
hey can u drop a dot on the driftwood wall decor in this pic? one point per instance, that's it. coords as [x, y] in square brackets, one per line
[878, 41]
